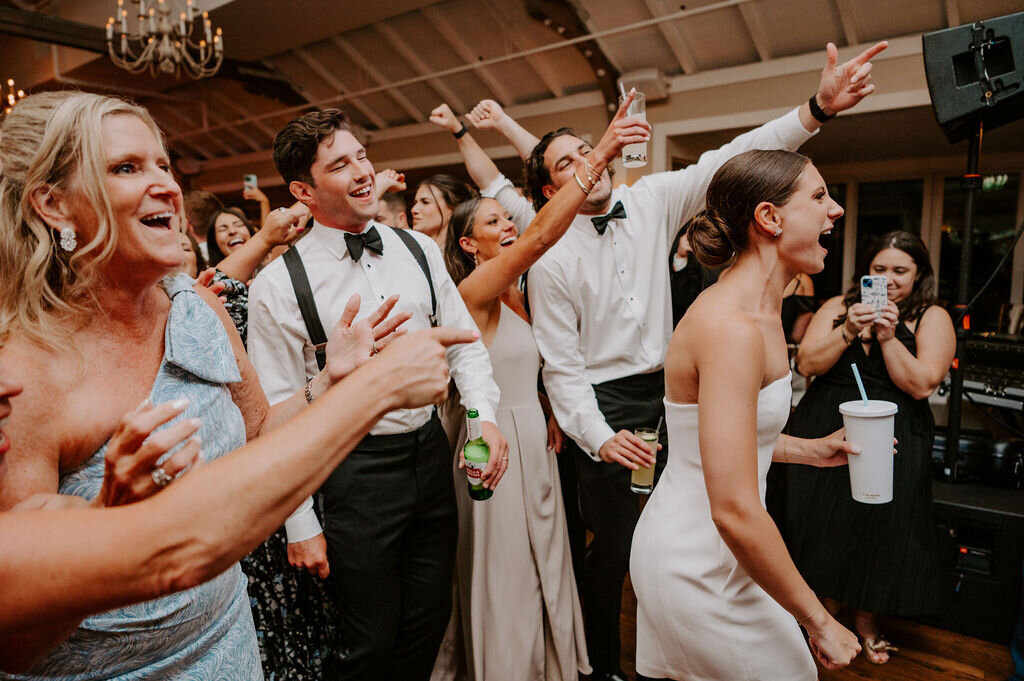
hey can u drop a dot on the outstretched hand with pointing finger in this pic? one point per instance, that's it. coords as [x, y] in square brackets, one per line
[843, 85]
[419, 363]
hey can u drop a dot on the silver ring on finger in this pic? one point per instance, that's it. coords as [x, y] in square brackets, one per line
[373, 349]
[160, 477]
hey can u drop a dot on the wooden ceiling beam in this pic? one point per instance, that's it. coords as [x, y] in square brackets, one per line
[848, 18]
[521, 42]
[674, 37]
[448, 32]
[563, 18]
[758, 33]
[396, 43]
[953, 13]
[375, 75]
[228, 103]
[335, 83]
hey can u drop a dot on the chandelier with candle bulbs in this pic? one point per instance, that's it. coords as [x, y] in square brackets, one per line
[11, 96]
[166, 41]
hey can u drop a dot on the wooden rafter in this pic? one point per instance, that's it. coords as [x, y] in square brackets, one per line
[758, 33]
[400, 47]
[848, 18]
[451, 35]
[375, 75]
[520, 41]
[335, 83]
[674, 37]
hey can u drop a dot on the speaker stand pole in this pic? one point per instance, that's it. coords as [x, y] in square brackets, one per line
[971, 182]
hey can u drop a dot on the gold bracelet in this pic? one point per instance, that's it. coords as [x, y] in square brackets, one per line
[579, 182]
[804, 619]
[309, 392]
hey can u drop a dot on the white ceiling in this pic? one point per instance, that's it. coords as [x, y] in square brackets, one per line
[388, 63]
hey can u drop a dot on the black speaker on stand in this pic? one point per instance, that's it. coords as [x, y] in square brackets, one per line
[975, 78]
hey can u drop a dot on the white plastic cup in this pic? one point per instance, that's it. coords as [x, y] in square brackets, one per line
[635, 155]
[870, 426]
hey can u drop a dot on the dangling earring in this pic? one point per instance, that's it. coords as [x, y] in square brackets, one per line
[476, 260]
[68, 240]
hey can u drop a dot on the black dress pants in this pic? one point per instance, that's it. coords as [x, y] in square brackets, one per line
[391, 526]
[610, 510]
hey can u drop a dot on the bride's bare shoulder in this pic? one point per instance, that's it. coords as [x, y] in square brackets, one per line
[716, 312]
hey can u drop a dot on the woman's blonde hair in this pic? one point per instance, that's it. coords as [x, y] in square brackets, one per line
[48, 142]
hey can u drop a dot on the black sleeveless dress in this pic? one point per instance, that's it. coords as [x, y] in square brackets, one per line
[792, 307]
[878, 558]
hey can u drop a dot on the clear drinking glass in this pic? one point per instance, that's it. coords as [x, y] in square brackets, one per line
[642, 479]
[635, 155]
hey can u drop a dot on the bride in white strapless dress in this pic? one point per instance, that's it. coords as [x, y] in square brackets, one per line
[719, 598]
[680, 558]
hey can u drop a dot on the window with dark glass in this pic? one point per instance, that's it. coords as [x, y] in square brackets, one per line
[886, 207]
[995, 212]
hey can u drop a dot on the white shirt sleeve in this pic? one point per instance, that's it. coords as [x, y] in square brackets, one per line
[686, 189]
[276, 352]
[469, 363]
[504, 192]
[555, 328]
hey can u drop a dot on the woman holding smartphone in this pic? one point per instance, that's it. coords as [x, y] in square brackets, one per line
[873, 558]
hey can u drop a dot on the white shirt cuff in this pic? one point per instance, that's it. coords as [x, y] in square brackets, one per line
[486, 414]
[302, 524]
[595, 436]
[491, 190]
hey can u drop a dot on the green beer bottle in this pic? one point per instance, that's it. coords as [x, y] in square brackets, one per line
[476, 453]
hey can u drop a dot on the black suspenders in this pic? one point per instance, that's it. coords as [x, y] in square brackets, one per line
[307, 306]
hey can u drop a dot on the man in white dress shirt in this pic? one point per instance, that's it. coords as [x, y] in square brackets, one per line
[601, 307]
[389, 510]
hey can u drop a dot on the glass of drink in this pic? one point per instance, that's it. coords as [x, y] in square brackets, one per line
[642, 479]
[635, 155]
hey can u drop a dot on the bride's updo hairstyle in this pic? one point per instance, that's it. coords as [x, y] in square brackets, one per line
[722, 231]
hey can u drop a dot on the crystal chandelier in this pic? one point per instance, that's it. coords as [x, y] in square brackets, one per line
[164, 43]
[11, 96]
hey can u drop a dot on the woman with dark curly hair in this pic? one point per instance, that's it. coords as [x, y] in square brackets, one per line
[873, 558]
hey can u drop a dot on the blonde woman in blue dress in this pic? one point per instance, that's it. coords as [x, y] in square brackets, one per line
[718, 595]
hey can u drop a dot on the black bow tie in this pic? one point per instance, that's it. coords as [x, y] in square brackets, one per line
[370, 239]
[601, 221]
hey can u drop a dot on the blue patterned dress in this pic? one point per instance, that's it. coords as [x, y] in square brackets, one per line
[204, 633]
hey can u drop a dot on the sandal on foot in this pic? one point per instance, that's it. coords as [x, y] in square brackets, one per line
[876, 646]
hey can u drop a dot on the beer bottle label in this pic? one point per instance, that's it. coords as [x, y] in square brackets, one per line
[475, 472]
